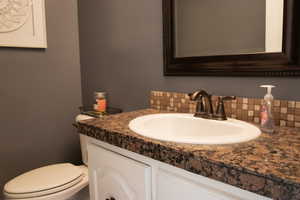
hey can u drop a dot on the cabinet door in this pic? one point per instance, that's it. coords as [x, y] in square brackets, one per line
[113, 176]
[174, 187]
[174, 184]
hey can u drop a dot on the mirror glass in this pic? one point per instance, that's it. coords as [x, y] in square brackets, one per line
[227, 27]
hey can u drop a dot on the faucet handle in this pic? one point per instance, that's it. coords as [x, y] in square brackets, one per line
[220, 112]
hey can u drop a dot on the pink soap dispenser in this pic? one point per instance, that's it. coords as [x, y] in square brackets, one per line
[267, 120]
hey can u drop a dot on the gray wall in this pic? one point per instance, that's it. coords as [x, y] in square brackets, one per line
[40, 91]
[221, 25]
[121, 53]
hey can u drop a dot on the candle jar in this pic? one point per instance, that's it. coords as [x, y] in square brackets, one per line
[101, 101]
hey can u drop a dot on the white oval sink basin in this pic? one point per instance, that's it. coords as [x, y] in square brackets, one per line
[185, 128]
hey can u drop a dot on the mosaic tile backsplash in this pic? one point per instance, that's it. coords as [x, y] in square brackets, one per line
[285, 113]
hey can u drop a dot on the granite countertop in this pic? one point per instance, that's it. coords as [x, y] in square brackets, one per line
[268, 165]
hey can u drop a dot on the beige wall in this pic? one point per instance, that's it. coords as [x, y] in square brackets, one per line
[274, 25]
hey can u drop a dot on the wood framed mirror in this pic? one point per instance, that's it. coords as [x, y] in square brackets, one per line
[231, 37]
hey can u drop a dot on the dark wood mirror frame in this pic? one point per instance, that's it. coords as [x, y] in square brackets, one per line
[263, 64]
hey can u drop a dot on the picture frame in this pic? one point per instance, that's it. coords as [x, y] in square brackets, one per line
[23, 24]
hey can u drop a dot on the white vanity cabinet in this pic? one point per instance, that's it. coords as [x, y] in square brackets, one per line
[113, 176]
[123, 175]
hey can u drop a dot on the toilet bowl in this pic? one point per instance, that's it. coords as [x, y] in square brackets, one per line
[53, 182]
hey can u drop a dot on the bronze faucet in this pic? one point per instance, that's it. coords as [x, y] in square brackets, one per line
[204, 107]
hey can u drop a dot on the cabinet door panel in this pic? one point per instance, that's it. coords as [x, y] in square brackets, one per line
[113, 175]
[175, 187]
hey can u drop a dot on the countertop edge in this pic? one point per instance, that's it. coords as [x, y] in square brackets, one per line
[273, 187]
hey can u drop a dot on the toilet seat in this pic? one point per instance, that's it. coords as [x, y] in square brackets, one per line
[60, 181]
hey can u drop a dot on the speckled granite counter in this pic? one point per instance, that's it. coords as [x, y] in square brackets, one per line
[268, 165]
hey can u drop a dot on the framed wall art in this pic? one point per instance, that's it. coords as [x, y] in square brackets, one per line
[23, 23]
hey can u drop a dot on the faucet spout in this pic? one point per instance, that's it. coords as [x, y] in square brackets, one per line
[194, 96]
[204, 107]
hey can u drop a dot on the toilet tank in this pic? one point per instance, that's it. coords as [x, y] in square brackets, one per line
[83, 139]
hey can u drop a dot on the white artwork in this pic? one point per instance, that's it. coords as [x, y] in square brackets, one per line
[23, 23]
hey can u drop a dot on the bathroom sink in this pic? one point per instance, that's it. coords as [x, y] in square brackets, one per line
[185, 128]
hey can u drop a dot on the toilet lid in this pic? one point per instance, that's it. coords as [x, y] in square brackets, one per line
[45, 180]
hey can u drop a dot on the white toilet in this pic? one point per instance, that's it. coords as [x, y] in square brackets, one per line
[53, 182]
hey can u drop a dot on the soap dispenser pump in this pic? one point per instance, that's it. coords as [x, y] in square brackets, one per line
[267, 120]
